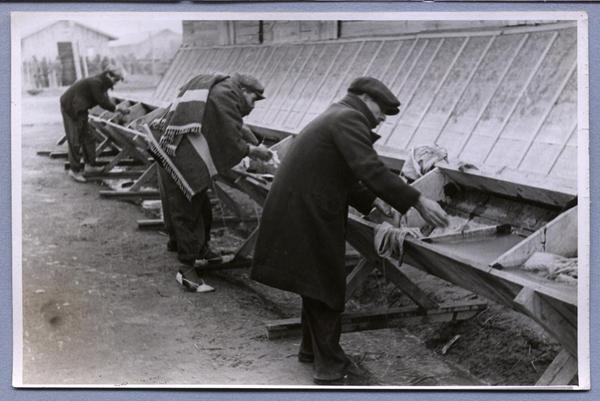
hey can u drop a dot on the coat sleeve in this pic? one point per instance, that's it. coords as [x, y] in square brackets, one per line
[222, 107]
[100, 96]
[361, 198]
[353, 140]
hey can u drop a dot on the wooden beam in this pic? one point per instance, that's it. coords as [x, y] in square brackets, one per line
[561, 371]
[384, 318]
[146, 194]
[113, 175]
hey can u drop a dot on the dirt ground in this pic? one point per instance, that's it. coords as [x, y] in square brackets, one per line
[101, 304]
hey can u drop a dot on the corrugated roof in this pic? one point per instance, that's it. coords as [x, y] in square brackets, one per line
[505, 100]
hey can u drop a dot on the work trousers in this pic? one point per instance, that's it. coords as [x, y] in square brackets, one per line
[321, 331]
[80, 140]
[187, 222]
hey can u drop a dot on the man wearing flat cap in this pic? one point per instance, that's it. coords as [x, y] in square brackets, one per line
[301, 242]
[74, 105]
[204, 136]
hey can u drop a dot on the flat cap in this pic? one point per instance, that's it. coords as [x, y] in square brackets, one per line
[250, 83]
[380, 93]
[115, 71]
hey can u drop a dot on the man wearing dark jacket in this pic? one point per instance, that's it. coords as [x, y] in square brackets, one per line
[74, 105]
[209, 108]
[301, 242]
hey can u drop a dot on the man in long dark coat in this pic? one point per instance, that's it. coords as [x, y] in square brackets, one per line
[74, 105]
[301, 242]
[210, 107]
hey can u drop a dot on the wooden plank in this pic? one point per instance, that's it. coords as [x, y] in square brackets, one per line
[561, 371]
[513, 189]
[560, 327]
[384, 318]
[559, 236]
[113, 175]
[121, 163]
[64, 155]
[146, 194]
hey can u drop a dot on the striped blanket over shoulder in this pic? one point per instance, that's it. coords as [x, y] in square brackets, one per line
[184, 152]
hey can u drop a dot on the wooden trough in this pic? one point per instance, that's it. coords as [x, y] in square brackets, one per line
[489, 262]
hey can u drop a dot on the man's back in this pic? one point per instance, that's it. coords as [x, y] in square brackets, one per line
[85, 94]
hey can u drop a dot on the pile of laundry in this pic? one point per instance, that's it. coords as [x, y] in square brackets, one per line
[553, 267]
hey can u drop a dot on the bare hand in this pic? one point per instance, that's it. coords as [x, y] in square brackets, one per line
[431, 212]
[123, 111]
[260, 152]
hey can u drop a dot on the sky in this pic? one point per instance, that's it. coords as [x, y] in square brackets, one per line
[114, 24]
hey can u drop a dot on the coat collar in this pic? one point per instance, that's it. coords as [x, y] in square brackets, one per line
[354, 102]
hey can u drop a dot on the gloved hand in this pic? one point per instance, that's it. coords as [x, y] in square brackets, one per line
[123, 111]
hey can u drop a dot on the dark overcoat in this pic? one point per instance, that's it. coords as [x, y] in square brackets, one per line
[85, 94]
[331, 165]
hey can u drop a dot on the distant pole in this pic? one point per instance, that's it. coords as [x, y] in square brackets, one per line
[152, 53]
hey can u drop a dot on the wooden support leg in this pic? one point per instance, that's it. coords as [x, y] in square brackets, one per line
[148, 176]
[393, 273]
[246, 250]
[357, 277]
[228, 200]
[561, 371]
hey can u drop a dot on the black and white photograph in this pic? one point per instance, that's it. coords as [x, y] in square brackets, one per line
[300, 200]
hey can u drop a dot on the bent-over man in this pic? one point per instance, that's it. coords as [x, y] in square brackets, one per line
[74, 105]
[204, 136]
[301, 242]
